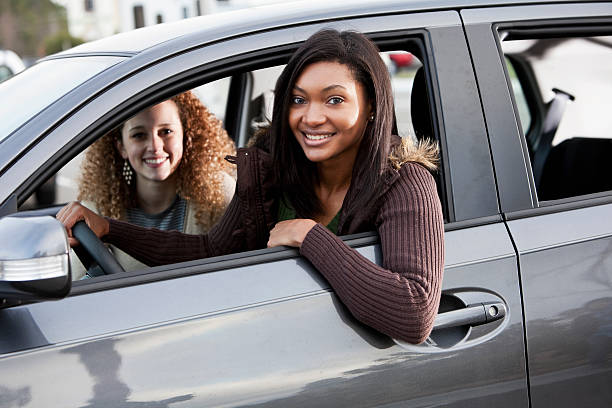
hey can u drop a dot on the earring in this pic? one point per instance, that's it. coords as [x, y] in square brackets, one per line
[127, 172]
[371, 118]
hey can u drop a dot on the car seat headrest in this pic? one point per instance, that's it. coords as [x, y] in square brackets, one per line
[420, 111]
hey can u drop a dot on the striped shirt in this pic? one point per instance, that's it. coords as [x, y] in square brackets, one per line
[171, 219]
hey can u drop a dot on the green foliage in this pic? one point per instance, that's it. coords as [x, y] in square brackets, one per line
[60, 42]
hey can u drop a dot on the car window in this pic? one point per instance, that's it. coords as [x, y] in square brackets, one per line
[412, 104]
[63, 186]
[519, 96]
[5, 73]
[562, 91]
[214, 96]
[403, 67]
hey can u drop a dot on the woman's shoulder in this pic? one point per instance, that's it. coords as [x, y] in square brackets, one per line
[414, 186]
[417, 175]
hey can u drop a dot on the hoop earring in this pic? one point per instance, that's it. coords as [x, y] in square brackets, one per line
[127, 172]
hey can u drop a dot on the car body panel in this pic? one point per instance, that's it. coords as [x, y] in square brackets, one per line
[566, 270]
[564, 246]
[48, 81]
[256, 342]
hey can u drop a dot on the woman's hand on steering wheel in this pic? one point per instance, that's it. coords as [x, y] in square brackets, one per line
[75, 211]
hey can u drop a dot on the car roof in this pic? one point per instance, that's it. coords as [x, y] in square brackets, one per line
[196, 31]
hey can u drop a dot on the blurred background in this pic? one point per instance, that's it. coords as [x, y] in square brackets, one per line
[32, 29]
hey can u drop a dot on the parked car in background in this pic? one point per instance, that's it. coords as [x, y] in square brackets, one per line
[10, 64]
[401, 59]
[526, 313]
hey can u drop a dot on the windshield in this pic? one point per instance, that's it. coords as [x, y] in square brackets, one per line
[29, 92]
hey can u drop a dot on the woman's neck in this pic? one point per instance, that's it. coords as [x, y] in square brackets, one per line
[334, 179]
[155, 197]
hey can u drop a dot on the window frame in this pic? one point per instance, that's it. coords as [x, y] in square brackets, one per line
[481, 27]
[241, 70]
[561, 28]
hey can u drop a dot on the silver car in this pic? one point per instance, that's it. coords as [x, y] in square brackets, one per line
[525, 182]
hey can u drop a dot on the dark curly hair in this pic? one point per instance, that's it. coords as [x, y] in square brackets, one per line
[200, 179]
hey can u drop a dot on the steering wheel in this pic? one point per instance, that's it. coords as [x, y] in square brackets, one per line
[96, 249]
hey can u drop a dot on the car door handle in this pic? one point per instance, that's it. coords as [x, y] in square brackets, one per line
[471, 315]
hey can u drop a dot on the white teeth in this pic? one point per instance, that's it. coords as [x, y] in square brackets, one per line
[317, 137]
[155, 161]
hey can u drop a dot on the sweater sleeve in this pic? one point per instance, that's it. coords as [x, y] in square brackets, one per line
[155, 247]
[401, 297]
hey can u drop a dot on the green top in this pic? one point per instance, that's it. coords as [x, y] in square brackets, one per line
[286, 212]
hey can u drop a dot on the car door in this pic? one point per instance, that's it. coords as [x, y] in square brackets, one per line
[263, 328]
[562, 226]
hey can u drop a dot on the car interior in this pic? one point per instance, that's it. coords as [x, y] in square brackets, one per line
[564, 117]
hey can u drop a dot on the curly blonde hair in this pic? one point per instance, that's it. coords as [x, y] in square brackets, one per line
[200, 178]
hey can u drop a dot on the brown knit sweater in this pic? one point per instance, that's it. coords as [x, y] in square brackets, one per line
[399, 298]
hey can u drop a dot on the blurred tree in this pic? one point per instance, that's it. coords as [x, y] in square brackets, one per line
[60, 42]
[25, 26]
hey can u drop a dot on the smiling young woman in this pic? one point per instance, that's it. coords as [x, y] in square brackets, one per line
[330, 164]
[161, 168]
[328, 114]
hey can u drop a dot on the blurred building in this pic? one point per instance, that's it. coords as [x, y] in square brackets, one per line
[94, 19]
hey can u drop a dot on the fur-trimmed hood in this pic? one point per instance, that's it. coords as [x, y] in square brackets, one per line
[424, 152]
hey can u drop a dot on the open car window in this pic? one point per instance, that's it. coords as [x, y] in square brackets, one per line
[258, 98]
[562, 92]
[244, 100]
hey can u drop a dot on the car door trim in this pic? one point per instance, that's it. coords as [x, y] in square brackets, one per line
[240, 259]
[562, 205]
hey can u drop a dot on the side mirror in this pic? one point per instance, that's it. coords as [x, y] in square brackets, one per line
[33, 259]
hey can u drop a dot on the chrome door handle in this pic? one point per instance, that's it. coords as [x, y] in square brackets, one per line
[471, 315]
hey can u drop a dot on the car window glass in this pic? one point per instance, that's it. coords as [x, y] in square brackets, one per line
[403, 67]
[570, 142]
[214, 96]
[5, 73]
[42, 84]
[519, 97]
[260, 101]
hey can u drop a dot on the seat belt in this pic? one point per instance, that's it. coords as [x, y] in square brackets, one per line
[554, 113]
